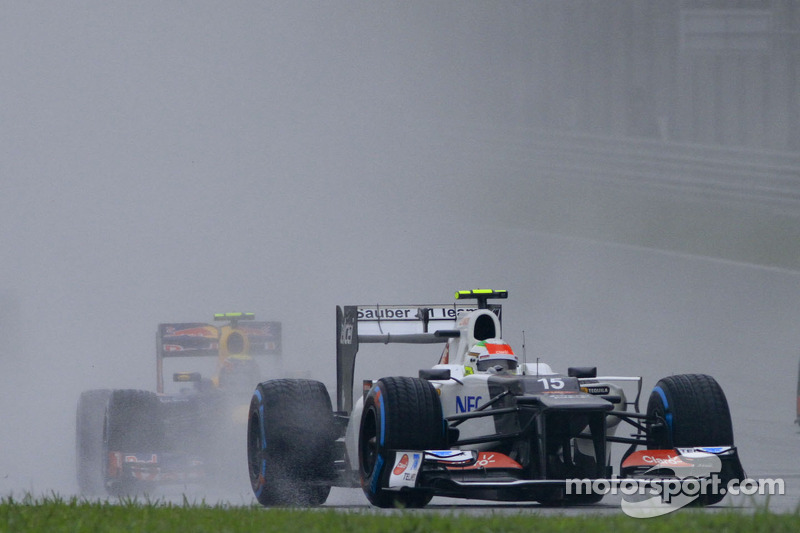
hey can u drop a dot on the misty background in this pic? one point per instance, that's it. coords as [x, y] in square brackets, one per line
[629, 171]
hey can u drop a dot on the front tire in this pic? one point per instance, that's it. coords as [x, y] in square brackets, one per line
[89, 421]
[133, 426]
[690, 410]
[290, 443]
[400, 413]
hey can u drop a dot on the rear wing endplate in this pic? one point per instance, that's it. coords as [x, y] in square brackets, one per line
[410, 324]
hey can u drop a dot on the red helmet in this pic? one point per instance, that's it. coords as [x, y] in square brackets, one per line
[492, 353]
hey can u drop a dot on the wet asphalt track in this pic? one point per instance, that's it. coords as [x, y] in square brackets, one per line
[637, 312]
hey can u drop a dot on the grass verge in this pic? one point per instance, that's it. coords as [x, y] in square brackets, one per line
[55, 514]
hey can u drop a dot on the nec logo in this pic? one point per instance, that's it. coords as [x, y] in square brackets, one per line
[465, 404]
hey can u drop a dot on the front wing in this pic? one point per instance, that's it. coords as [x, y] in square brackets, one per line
[155, 468]
[495, 476]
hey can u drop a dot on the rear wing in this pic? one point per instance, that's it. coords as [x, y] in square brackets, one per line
[199, 339]
[410, 324]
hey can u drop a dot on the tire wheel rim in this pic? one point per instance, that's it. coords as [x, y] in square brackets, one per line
[659, 435]
[369, 443]
[255, 447]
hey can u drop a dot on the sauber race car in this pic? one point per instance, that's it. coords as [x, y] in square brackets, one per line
[130, 441]
[479, 424]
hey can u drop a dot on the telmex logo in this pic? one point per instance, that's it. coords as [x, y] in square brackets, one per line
[401, 466]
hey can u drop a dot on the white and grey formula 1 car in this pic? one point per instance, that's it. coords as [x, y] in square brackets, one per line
[479, 424]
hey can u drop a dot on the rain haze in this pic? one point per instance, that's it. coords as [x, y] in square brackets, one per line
[162, 162]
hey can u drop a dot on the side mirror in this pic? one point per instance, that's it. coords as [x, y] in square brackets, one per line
[434, 373]
[582, 371]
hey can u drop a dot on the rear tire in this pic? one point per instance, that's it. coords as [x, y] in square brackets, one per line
[691, 411]
[400, 413]
[89, 421]
[290, 443]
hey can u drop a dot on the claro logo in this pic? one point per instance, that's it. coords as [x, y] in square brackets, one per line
[672, 461]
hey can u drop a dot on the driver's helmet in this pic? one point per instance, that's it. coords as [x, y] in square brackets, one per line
[494, 353]
[239, 374]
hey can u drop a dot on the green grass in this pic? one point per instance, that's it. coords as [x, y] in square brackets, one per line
[54, 514]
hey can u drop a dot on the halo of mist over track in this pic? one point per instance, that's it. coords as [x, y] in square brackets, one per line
[163, 163]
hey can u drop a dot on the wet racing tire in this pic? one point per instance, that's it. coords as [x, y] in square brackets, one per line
[89, 420]
[133, 426]
[690, 410]
[400, 413]
[290, 443]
